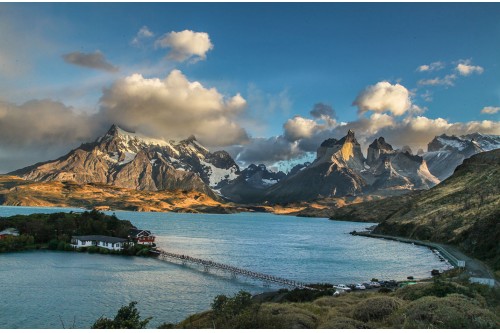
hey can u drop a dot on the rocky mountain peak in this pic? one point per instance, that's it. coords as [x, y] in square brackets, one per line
[380, 143]
[132, 160]
[349, 138]
[376, 149]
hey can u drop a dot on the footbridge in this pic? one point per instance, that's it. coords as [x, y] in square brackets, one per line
[234, 271]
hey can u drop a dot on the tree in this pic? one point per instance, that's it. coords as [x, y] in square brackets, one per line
[127, 317]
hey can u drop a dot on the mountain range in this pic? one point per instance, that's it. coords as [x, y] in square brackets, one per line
[133, 161]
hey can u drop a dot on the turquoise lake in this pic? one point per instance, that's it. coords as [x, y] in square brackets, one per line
[43, 289]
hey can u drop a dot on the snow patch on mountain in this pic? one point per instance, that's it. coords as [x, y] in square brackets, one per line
[216, 175]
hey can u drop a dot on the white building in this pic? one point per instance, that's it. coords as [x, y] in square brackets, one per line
[106, 242]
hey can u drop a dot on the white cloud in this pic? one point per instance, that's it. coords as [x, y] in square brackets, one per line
[490, 109]
[142, 34]
[448, 80]
[383, 97]
[435, 66]
[465, 68]
[299, 128]
[174, 108]
[186, 44]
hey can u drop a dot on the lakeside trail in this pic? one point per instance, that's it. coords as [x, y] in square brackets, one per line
[474, 267]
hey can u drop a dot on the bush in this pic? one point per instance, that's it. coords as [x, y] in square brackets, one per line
[452, 311]
[438, 288]
[93, 249]
[276, 316]
[126, 317]
[103, 251]
[61, 245]
[376, 308]
[53, 244]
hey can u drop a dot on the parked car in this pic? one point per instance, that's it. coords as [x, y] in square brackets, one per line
[359, 286]
[374, 284]
[342, 287]
[352, 286]
[367, 285]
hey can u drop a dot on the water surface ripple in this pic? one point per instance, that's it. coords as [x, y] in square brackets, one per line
[41, 288]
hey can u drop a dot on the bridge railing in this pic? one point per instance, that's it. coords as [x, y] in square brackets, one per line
[232, 269]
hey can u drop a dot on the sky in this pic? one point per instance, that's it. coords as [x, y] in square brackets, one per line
[266, 82]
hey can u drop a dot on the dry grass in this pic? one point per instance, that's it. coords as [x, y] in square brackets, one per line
[376, 308]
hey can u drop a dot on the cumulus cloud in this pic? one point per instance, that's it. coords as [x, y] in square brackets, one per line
[447, 80]
[321, 110]
[490, 109]
[465, 68]
[435, 66]
[142, 34]
[383, 97]
[186, 44]
[94, 60]
[174, 108]
[299, 128]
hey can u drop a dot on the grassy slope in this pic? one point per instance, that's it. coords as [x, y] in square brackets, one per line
[463, 210]
[430, 305]
[15, 191]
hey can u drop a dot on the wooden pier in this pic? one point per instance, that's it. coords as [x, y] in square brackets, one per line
[234, 271]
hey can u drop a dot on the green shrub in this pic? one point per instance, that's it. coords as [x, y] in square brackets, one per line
[376, 308]
[452, 311]
[103, 251]
[127, 317]
[61, 245]
[53, 244]
[438, 288]
[92, 249]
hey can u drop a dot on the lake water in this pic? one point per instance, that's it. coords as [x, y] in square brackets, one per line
[41, 289]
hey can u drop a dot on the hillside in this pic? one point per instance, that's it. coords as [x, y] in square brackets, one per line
[438, 304]
[15, 191]
[463, 210]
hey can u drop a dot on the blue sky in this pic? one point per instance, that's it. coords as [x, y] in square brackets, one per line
[282, 59]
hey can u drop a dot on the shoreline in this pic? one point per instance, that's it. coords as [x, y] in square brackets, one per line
[433, 246]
